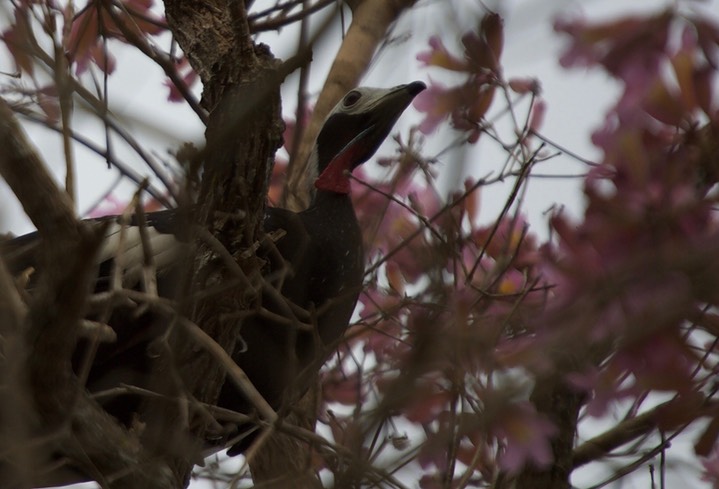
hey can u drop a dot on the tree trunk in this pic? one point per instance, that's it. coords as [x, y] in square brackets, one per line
[241, 92]
[554, 398]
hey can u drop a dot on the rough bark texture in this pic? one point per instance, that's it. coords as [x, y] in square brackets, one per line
[216, 41]
[241, 92]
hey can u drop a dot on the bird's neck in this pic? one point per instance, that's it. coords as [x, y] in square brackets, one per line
[326, 199]
[332, 212]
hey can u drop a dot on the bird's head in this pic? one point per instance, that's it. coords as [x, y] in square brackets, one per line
[355, 129]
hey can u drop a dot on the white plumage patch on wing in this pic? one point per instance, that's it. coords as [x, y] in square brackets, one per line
[124, 244]
[370, 98]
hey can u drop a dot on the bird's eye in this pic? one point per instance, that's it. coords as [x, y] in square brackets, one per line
[351, 98]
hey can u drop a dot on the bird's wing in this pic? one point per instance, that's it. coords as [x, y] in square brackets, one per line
[124, 241]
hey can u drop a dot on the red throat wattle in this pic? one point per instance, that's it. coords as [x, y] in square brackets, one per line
[335, 178]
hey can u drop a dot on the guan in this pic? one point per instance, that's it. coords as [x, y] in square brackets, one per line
[315, 262]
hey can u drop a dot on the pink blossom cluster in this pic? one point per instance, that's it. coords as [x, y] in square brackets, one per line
[628, 293]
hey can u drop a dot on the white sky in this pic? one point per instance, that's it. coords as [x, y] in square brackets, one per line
[577, 101]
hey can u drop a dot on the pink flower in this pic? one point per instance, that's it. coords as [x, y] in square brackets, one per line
[539, 109]
[437, 102]
[509, 238]
[711, 469]
[342, 388]
[466, 104]
[439, 56]
[482, 50]
[527, 436]
[525, 85]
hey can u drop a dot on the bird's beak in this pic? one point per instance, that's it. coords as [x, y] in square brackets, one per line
[388, 109]
[384, 115]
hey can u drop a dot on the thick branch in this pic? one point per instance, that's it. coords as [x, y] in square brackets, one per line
[241, 92]
[636, 427]
[49, 208]
[215, 38]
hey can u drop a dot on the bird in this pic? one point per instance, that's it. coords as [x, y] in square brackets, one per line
[323, 246]
[315, 262]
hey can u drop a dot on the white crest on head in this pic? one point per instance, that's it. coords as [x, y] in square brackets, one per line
[361, 99]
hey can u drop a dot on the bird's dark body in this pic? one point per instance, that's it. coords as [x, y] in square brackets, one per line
[324, 278]
[316, 264]
[313, 272]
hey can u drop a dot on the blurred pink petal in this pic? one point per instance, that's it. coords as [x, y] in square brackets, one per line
[440, 57]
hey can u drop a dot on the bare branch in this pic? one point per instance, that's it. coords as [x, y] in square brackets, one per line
[161, 59]
[631, 429]
[49, 209]
[283, 20]
[87, 435]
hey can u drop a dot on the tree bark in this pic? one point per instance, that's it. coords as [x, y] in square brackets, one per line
[241, 92]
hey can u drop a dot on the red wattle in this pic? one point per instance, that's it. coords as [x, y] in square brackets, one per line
[333, 178]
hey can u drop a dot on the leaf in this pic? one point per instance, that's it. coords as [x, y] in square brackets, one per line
[493, 31]
[482, 102]
[139, 5]
[18, 40]
[83, 36]
[96, 22]
[136, 17]
[525, 85]
[536, 118]
[472, 201]
[49, 103]
[484, 48]
[102, 58]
